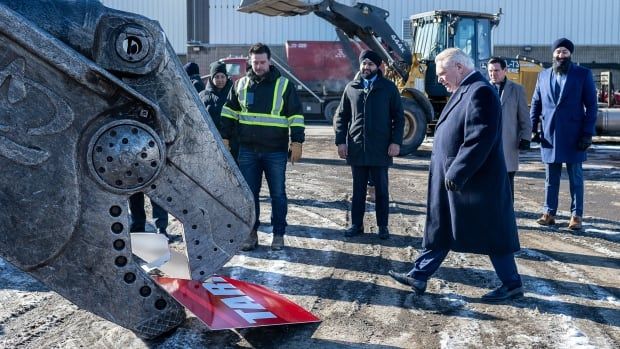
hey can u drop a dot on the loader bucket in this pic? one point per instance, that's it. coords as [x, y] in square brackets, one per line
[95, 107]
[279, 7]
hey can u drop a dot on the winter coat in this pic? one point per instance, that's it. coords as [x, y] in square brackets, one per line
[467, 149]
[257, 128]
[214, 99]
[197, 82]
[566, 121]
[368, 122]
[516, 124]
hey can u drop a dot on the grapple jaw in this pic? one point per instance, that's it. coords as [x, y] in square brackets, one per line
[94, 107]
[280, 7]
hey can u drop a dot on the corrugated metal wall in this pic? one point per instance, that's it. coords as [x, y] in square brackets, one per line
[171, 15]
[525, 22]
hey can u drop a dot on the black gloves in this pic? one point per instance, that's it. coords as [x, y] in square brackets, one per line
[524, 144]
[584, 143]
[450, 185]
[535, 137]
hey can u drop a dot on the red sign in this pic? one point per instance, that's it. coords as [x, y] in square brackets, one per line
[225, 303]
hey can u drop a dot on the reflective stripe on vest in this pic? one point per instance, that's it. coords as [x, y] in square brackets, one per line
[278, 96]
[242, 90]
[296, 120]
[260, 119]
[229, 113]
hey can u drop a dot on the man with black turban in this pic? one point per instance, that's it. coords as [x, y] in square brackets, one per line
[564, 104]
[369, 131]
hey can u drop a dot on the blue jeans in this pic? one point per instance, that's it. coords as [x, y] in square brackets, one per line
[252, 165]
[429, 261]
[552, 187]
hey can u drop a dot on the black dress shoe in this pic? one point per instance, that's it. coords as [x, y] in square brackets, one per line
[503, 293]
[418, 286]
[354, 230]
[384, 233]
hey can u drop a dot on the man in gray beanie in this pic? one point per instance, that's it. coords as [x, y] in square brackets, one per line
[564, 104]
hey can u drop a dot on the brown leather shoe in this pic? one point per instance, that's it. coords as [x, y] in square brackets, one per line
[575, 223]
[251, 243]
[546, 219]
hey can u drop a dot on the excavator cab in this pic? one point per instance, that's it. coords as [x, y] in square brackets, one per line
[434, 31]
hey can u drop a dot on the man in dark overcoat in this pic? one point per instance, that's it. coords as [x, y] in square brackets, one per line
[369, 132]
[469, 206]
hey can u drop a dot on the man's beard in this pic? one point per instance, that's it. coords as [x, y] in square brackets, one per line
[561, 66]
[367, 75]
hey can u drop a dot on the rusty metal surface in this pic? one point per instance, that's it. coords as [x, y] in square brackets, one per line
[95, 106]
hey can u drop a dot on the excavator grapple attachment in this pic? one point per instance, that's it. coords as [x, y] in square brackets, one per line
[94, 107]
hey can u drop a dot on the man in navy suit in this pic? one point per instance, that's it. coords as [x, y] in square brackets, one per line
[564, 104]
[469, 207]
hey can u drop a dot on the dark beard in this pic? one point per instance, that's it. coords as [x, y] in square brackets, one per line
[369, 75]
[561, 67]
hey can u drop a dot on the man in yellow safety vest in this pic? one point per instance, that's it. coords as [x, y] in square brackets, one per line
[265, 112]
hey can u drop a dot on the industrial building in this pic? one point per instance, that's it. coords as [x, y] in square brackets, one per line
[205, 30]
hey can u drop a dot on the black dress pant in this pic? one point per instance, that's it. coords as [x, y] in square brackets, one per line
[361, 175]
[138, 216]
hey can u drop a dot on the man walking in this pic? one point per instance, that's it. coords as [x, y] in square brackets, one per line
[564, 104]
[469, 207]
[261, 109]
[516, 124]
[369, 131]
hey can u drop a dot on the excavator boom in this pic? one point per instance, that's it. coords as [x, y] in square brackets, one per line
[94, 107]
[364, 21]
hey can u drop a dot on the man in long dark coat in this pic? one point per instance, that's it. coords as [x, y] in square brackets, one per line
[369, 131]
[469, 205]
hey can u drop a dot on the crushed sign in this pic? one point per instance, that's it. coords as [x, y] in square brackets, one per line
[224, 303]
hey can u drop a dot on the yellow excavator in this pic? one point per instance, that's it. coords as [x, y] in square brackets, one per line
[410, 65]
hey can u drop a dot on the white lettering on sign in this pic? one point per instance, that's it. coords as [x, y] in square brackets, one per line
[222, 288]
[257, 315]
[243, 302]
[219, 287]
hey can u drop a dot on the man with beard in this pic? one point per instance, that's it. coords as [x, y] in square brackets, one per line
[564, 104]
[261, 109]
[214, 97]
[469, 206]
[369, 131]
